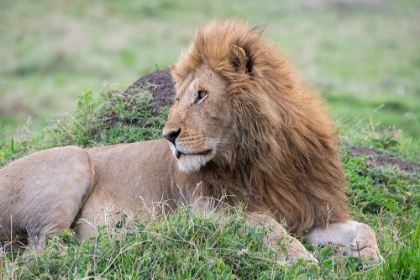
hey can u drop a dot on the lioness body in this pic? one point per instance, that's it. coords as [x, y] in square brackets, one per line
[241, 129]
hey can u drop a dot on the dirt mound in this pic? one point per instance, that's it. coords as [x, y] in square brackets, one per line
[160, 85]
[162, 88]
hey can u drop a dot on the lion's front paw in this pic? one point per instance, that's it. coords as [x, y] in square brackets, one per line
[364, 244]
[297, 251]
[293, 257]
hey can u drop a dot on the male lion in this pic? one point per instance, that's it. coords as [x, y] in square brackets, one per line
[241, 129]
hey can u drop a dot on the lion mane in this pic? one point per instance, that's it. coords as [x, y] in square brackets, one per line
[285, 159]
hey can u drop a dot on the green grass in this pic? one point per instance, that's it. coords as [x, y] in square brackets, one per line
[105, 118]
[389, 140]
[185, 245]
[362, 56]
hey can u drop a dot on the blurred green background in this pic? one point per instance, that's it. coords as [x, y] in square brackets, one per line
[363, 56]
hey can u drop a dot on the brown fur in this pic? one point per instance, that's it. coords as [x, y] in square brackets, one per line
[285, 160]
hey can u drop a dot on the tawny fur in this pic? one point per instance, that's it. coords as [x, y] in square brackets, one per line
[285, 158]
[255, 137]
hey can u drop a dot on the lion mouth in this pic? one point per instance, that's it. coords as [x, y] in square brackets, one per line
[178, 154]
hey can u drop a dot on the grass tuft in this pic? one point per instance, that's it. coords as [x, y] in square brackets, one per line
[109, 118]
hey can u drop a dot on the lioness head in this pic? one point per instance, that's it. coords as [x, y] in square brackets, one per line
[200, 121]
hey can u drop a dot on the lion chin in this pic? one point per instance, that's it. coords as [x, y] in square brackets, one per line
[192, 161]
[242, 127]
[189, 163]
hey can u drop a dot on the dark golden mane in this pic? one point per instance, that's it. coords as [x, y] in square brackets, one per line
[286, 161]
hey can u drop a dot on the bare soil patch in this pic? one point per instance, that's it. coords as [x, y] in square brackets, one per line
[377, 159]
[161, 86]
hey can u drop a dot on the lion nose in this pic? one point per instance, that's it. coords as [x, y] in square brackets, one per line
[172, 135]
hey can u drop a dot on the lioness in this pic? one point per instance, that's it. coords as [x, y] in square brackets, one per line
[241, 127]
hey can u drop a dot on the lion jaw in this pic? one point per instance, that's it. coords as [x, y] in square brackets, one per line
[191, 162]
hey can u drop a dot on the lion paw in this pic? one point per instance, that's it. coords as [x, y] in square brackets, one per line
[364, 245]
[297, 251]
[294, 257]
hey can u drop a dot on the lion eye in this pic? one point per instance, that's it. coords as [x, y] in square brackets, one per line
[201, 94]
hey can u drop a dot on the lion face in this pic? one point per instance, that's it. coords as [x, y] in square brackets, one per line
[199, 127]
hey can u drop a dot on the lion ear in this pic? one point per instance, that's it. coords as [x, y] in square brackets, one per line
[238, 59]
